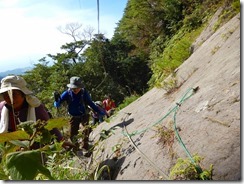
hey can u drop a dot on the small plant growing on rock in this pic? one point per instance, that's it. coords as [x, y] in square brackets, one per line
[117, 150]
[186, 170]
[166, 136]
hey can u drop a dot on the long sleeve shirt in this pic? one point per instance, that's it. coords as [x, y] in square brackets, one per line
[77, 102]
[109, 104]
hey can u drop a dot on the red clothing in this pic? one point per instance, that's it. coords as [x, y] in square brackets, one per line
[108, 104]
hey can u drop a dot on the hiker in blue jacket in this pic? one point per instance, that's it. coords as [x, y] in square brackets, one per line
[77, 99]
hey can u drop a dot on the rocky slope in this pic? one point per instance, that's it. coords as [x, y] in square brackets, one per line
[208, 122]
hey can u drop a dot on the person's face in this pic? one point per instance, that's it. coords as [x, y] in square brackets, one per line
[18, 98]
[76, 90]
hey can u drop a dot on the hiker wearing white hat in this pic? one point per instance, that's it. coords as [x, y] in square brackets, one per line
[18, 104]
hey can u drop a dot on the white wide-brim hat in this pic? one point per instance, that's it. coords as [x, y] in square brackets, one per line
[14, 82]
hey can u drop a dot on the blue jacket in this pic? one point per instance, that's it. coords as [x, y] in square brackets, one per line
[76, 103]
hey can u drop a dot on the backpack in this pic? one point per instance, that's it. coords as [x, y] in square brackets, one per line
[82, 100]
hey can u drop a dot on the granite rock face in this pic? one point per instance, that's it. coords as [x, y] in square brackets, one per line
[208, 122]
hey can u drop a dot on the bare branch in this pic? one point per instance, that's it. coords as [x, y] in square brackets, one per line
[71, 29]
[88, 33]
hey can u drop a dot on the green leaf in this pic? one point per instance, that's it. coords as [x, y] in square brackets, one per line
[26, 165]
[56, 123]
[19, 143]
[17, 135]
[99, 171]
[3, 176]
[27, 127]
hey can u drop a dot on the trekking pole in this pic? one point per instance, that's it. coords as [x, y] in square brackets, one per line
[56, 98]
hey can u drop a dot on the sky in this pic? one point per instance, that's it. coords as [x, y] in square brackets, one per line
[29, 28]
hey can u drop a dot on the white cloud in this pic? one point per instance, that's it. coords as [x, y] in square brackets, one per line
[30, 32]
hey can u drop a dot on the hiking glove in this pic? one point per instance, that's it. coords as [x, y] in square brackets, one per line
[56, 96]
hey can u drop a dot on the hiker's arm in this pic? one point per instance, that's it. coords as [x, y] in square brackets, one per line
[62, 98]
[91, 103]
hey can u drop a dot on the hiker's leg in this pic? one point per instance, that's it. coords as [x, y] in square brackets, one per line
[74, 128]
[86, 132]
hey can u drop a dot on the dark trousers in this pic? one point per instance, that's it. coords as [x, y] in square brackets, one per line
[74, 129]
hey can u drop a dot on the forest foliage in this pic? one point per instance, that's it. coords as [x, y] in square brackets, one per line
[150, 41]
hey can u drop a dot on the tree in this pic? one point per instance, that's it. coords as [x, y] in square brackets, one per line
[39, 80]
[73, 49]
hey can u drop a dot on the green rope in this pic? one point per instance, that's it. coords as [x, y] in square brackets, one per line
[186, 96]
[148, 160]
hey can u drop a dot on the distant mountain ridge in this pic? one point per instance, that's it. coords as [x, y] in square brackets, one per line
[17, 71]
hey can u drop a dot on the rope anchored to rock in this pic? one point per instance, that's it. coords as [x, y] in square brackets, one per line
[190, 92]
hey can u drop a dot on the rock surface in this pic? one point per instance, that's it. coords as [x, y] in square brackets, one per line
[208, 122]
